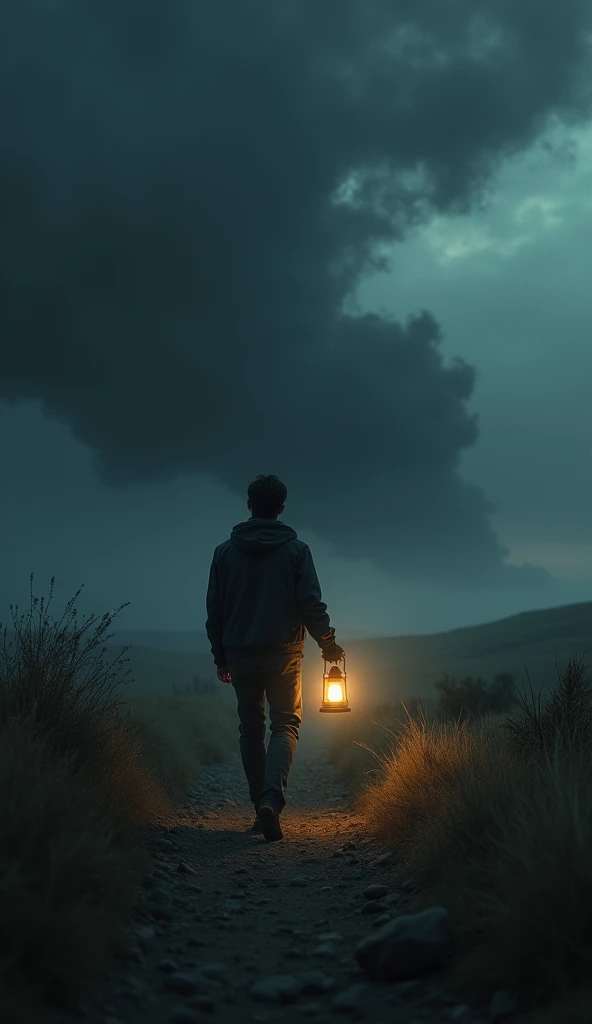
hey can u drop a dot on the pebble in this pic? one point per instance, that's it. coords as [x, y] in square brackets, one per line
[185, 869]
[169, 966]
[316, 982]
[164, 845]
[375, 892]
[325, 949]
[277, 988]
[350, 998]
[183, 983]
[384, 861]
[372, 907]
[212, 969]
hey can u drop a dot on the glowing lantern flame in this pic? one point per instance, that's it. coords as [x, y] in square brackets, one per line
[335, 692]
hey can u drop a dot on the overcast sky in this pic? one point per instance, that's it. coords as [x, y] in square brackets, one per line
[195, 200]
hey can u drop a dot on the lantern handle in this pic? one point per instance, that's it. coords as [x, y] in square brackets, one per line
[342, 658]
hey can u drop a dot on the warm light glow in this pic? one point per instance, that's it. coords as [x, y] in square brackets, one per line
[335, 692]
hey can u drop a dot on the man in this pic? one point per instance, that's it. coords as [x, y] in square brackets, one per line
[263, 594]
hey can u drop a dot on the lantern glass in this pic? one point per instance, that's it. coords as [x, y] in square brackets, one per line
[334, 689]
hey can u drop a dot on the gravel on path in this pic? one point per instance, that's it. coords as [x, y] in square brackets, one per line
[233, 928]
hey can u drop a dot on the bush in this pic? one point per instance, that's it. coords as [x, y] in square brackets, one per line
[68, 875]
[357, 749]
[82, 771]
[496, 824]
[564, 719]
[459, 699]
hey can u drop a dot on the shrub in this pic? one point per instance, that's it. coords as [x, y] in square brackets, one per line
[81, 772]
[564, 718]
[68, 875]
[495, 823]
[462, 698]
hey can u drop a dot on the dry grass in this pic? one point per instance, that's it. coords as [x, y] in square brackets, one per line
[82, 771]
[496, 824]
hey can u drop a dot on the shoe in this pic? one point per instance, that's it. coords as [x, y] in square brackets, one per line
[256, 826]
[270, 822]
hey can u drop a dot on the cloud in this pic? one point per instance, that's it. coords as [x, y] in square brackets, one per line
[189, 196]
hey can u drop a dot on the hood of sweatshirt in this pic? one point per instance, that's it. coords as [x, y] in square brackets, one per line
[260, 536]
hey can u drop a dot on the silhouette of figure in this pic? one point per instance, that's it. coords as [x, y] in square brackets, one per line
[263, 595]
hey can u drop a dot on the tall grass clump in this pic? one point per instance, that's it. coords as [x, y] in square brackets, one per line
[82, 772]
[359, 749]
[492, 817]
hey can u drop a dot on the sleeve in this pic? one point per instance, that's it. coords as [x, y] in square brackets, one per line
[311, 606]
[214, 613]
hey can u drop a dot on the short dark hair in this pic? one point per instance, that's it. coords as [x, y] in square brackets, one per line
[266, 495]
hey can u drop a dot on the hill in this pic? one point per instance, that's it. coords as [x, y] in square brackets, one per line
[400, 667]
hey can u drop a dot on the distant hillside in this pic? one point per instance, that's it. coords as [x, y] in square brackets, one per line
[386, 668]
[403, 666]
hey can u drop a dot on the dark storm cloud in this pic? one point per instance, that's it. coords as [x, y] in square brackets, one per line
[175, 265]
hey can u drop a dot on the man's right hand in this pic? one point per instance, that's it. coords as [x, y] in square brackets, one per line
[333, 652]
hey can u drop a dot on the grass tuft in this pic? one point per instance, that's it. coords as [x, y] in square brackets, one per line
[82, 773]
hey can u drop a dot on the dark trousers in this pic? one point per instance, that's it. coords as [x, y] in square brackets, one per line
[277, 675]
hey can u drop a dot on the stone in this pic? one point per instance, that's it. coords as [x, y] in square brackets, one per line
[459, 1012]
[384, 861]
[277, 988]
[212, 969]
[380, 920]
[333, 937]
[325, 949]
[184, 983]
[502, 1004]
[411, 945]
[298, 882]
[185, 869]
[316, 982]
[375, 892]
[372, 907]
[164, 845]
[350, 998]
[168, 966]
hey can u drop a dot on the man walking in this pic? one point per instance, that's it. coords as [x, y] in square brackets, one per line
[263, 594]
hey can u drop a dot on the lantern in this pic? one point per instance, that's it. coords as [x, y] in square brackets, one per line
[335, 689]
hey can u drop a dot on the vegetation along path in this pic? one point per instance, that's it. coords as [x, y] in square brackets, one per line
[233, 928]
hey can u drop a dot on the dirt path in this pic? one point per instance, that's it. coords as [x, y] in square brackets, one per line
[225, 910]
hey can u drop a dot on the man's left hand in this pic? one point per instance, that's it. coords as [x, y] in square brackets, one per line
[224, 674]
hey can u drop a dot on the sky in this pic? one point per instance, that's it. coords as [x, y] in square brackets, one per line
[331, 241]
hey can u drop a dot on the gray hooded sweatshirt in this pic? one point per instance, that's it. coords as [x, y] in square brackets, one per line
[264, 592]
